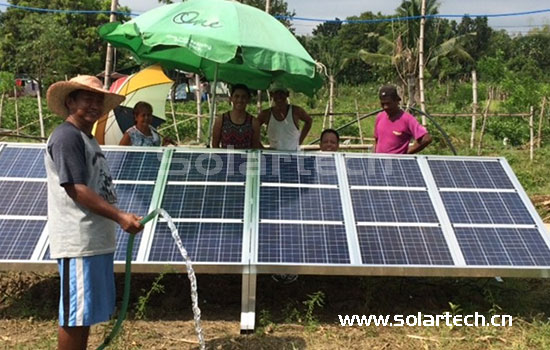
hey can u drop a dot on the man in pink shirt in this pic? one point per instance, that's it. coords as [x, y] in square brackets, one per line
[394, 128]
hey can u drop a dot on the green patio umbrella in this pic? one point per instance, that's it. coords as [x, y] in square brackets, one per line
[221, 40]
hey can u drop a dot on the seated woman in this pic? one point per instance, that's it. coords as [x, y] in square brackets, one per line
[143, 133]
[235, 129]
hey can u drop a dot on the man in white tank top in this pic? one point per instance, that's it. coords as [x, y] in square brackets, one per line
[282, 120]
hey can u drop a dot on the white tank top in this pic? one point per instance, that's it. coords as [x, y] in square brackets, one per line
[283, 135]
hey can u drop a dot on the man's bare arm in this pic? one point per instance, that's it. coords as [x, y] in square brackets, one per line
[420, 144]
[84, 196]
[308, 121]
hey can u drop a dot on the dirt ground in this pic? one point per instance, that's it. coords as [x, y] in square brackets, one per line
[28, 309]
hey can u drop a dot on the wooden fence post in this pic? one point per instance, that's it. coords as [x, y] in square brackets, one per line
[1, 107]
[172, 98]
[198, 100]
[16, 111]
[483, 124]
[40, 116]
[541, 117]
[359, 122]
[325, 116]
[531, 133]
[474, 108]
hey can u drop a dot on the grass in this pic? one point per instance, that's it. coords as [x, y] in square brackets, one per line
[304, 325]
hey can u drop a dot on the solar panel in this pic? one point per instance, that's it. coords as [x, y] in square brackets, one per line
[291, 203]
[384, 172]
[24, 162]
[304, 244]
[326, 212]
[18, 238]
[23, 198]
[486, 208]
[205, 196]
[132, 198]
[383, 245]
[392, 206]
[300, 211]
[204, 201]
[132, 165]
[503, 246]
[470, 174]
[204, 242]
[210, 167]
[298, 169]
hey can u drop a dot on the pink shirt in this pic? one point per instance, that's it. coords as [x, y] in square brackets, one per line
[394, 136]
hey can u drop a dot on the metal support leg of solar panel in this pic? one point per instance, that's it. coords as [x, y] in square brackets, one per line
[266, 212]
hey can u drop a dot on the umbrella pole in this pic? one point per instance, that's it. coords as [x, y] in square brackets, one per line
[213, 107]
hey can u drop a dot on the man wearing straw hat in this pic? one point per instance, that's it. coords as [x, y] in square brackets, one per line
[81, 209]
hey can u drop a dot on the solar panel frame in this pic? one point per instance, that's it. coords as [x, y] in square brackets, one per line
[295, 267]
[144, 263]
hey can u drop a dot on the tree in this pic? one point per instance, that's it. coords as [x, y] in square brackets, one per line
[477, 34]
[405, 59]
[354, 36]
[328, 29]
[43, 47]
[278, 8]
[410, 29]
[7, 80]
[80, 49]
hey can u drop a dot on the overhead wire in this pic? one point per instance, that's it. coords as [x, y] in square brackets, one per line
[295, 18]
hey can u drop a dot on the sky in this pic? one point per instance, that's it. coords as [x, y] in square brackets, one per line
[329, 9]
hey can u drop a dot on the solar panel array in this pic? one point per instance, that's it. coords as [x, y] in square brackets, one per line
[298, 213]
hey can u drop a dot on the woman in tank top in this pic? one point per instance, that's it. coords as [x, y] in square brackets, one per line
[235, 129]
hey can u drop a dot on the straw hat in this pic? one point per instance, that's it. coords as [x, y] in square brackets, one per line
[58, 92]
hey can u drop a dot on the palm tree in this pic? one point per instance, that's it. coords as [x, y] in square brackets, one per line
[394, 54]
[401, 52]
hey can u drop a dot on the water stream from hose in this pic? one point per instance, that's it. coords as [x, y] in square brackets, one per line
[190, 275]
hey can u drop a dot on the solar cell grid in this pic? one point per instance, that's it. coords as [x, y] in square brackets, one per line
[403, 245]
[298, 169]
[303, 244]
[210, 167]
[138, 166]
[204, 201]
[132, 198]
[393, 206]
[204, 242]
[22, 162]
[503, 246]
[291, 203]
[470, 174]
[384, 172]
[23, 198]
[486, 208]
[18, 238]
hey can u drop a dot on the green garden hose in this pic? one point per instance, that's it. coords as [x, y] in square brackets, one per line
[126, 296]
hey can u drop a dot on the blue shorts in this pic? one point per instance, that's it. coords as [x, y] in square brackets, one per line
[87, 290]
